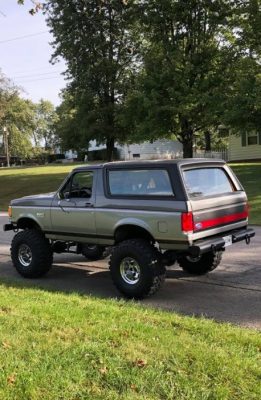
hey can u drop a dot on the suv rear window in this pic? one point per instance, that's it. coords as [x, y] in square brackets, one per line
[207, 182]
[140, 182]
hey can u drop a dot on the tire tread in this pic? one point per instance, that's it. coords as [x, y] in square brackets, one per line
[207, 263]
[40, 246]
[151, 257]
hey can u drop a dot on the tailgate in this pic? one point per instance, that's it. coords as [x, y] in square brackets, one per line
[216, 199]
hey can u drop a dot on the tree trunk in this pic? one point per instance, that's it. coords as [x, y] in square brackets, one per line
[188, 148]
[109, 148]
[207, 141]
[36, 143]
[186, 138]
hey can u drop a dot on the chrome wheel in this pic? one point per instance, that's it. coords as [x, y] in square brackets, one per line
[25, 255]
[130, 270]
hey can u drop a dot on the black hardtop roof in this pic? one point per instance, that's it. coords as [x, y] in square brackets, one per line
[150, 163]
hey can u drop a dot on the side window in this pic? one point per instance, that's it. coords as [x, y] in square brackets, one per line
[153, 182]
[79, 186]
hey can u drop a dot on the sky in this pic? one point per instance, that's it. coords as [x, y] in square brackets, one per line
[25, 52]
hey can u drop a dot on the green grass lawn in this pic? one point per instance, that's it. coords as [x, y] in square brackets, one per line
[249, 175]
[17, 182]
[60, 346]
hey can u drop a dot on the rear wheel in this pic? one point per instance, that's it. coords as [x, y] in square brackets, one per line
[136, 268]
[92, 251]
[31, 253]
[201, 265]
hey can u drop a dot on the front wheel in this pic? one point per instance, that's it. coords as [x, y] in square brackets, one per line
[31, 253]
[201, 265]
[136, 269]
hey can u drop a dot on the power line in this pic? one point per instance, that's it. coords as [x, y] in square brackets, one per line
[29, 71]
[40, 79]
[23, 37]
[37, 75]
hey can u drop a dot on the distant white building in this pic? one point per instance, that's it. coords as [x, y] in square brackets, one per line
[94, 146]
[149, 151]
[71, 155]
[246, 146]
[146, 151]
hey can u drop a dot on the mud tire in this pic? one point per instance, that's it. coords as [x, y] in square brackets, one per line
[143, 257]
[206, 263]
[31, 253]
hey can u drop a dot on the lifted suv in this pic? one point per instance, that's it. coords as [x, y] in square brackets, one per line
[149, 213]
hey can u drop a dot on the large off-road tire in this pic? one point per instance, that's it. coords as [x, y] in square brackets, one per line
[92, 251]
[200, 265]
[136, 268]
[31, 253]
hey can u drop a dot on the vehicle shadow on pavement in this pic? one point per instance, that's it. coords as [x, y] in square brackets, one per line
[67, 279]
[198, 296]
[246, 279]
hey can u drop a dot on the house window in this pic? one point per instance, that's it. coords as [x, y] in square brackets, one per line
[252, 138]
[136, 155]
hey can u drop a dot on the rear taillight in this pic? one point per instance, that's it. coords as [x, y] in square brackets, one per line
[187, 222]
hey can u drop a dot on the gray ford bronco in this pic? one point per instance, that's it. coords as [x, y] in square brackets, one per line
[151, 214]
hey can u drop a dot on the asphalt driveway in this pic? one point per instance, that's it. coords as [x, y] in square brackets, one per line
[231, 293]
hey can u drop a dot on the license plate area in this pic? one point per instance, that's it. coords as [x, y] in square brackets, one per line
[227, 240]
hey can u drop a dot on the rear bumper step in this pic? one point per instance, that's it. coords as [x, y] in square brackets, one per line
[218, 243]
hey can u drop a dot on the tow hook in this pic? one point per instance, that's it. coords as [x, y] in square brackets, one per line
[248, 239]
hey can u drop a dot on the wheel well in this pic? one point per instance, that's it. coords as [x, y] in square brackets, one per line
[27, 223]
[132, 232]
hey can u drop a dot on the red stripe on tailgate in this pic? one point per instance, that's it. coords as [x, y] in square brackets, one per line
[226, 219]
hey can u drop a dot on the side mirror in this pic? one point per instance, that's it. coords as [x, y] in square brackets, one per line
[64, 195]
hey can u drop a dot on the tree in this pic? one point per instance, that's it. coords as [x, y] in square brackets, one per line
[17, 116]
[94, 37]
[187, 59]
[45, 119]
[68, 125]
[36, 6]
[7, 90]
[17, 121]
[242, 111]
[196, 66]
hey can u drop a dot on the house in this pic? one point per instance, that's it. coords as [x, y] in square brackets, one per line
[70, 155]
[151, 150]
[246, 146]
[146, 150]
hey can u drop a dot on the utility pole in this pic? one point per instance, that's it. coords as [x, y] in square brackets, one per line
[6, 145]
